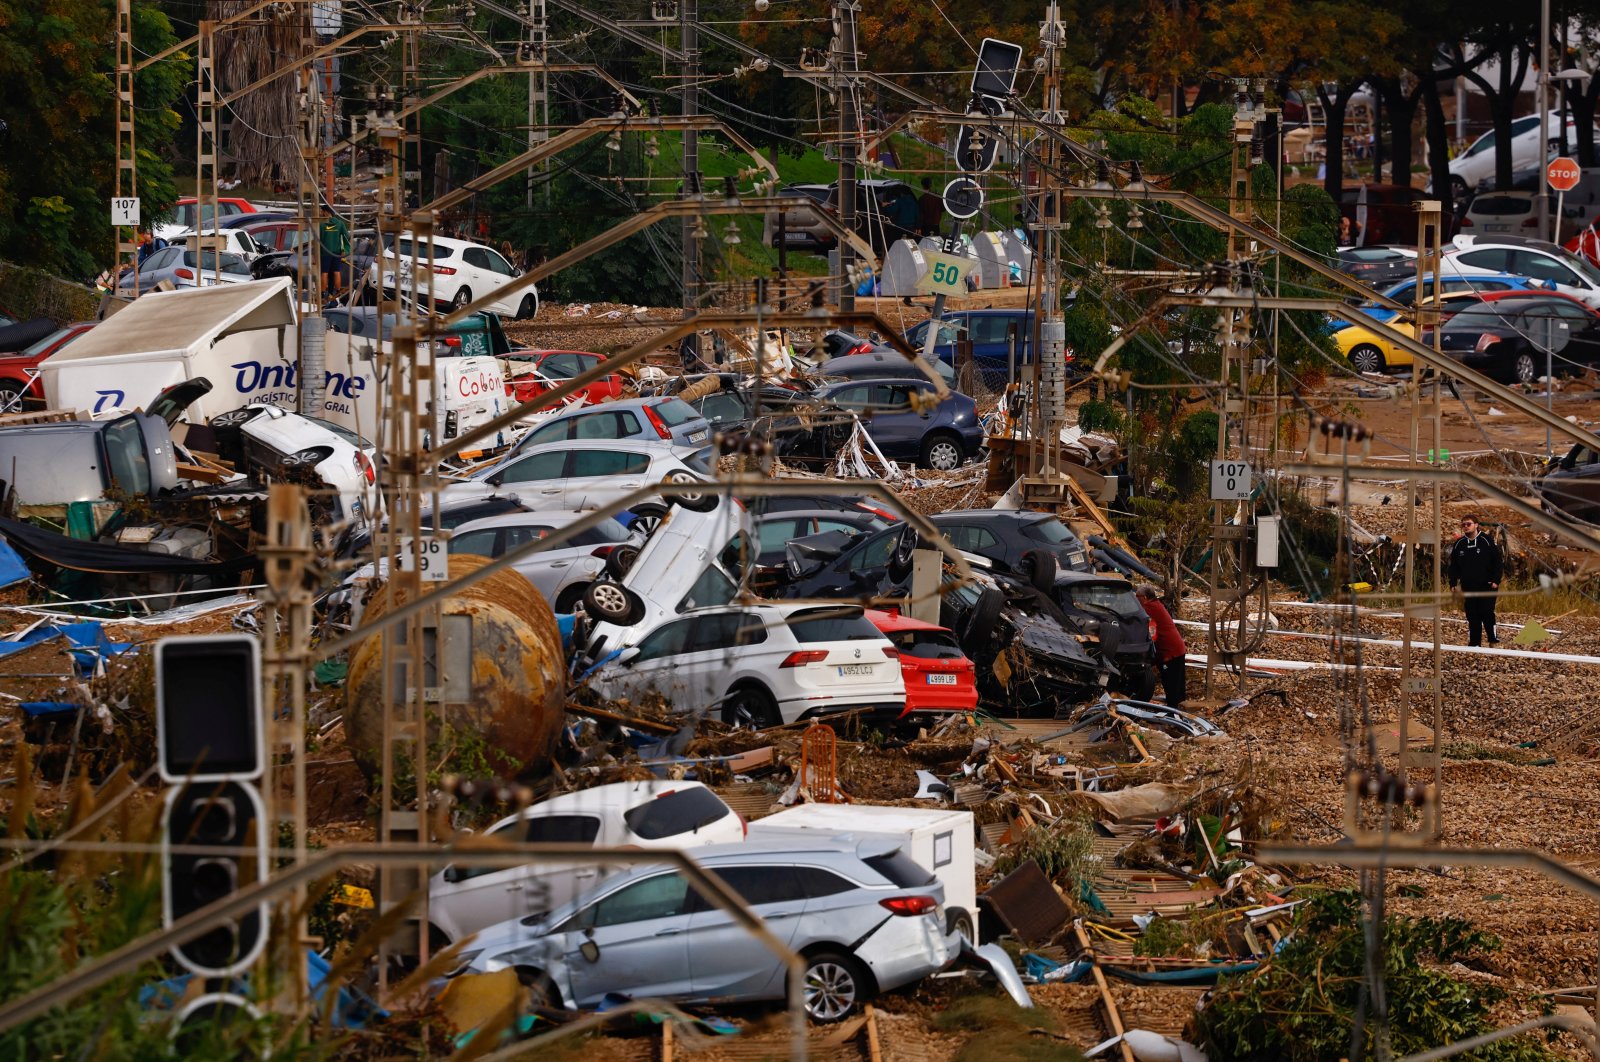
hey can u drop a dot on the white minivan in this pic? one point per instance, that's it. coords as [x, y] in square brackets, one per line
[462, 271]
[464, 899]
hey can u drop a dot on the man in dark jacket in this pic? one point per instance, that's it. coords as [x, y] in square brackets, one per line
[1476, 564]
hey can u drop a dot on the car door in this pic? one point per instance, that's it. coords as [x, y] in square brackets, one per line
[1583, 341]
[727, 961]
[548, 570]
[895, 426]
[654, 667]
[599, 477]
[476, 272]
[1574, 487]
[639, 942]
[538, 477]
[472, 898]
[703, 668]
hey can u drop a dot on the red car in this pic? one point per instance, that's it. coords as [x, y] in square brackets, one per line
[938, 675]
[530, 373]
[14, 368]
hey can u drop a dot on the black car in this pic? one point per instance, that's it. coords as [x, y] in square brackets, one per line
[1105, 609]
[1570, 485]
[1027, 661]
[774, 531]
[1519, 337]
[1006, 537]
[847, 564]
[899, 417]
[764, 504]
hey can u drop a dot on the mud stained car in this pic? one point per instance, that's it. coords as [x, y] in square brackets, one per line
[863, 914]
[1105, 610]
[1027, 661]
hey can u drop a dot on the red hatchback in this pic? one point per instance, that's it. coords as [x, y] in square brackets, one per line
[530, 373]
[17, 371]
[938, 675]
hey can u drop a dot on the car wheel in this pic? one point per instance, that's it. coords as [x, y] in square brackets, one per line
[900, 559]
[977, 628]
[1458, 190]
[1367, 358]
[542, 992]
[834, 987]
[941, 452]
[1039, 567]
[646, 518]
[961, 923]
[698, 501]
[620, 560]
[1524, 369]
[10, 396]
[528, 308]
[567, 601]
[750, 706]
[612, 602]
[463, 297]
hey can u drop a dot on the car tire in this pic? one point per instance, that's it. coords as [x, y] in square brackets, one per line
[977, 627]
[1524, 370]
[750, 705]
[463, 296]
[542, 991]
[647, 518]
[9, 402]
[1458, 190]
[1368, 358]
[620, 560]
[698, 502]
[568, 600]
[900, 560]
[528, 308]
[834, 986]
[961, 922]
[941, 452]
[608, 600]
[1040, 567]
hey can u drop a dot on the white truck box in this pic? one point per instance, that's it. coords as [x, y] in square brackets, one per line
[940, 839]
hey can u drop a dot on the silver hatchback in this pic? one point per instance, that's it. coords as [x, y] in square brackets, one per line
[866, 917]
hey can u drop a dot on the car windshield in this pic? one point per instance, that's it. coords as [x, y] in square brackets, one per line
[1050, 530]
[712, 588]
[342, 432]
[1115, 598]
[231, 263]
[675, 411]
[832, 624]
[900, 869]
[44, 344]
[701, 460]
[925, 645]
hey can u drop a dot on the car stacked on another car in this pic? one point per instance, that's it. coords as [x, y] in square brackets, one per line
[656, 419]
[1545, 263]
[900, 416]
[1008, 538]
[530, 373]
[562, 573]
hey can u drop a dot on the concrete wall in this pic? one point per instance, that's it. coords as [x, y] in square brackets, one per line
[29, 293]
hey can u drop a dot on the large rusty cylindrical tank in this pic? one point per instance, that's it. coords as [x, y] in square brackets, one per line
[500, 680]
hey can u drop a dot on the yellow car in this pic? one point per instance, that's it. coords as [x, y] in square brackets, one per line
[1367, 351]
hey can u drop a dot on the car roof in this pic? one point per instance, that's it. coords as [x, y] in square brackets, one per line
[858, 381]
[1474, 240]
[993, 514]
[557, 517]
[831, 514]
[899, 621]
[614, 795]
[665, 447]
[1514, 295]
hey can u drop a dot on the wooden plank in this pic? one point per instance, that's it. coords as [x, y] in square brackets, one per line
[874, 1053]
[666, 1041]
[1113, 1018]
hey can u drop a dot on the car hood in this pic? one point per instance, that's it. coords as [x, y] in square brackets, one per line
[1043, 637]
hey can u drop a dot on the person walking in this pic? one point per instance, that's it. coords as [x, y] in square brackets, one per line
[335, 239]
[1476, 564]
[1170, 650]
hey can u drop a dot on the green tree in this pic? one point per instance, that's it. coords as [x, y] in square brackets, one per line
[57, 94]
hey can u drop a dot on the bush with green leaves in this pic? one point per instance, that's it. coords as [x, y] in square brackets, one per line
[1302, 1005]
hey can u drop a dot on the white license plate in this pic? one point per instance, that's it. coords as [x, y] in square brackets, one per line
[941, 680]
[1498, 228]
[855, 669]
[697, 436]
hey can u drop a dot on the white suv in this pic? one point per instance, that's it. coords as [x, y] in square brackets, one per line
[464, 899]
[762, 665]
[462, 271]
[1476, 164]
[1556, 269]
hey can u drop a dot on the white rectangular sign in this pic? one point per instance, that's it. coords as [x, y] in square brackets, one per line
[125, 212]
[433, 556]
[1230, 481]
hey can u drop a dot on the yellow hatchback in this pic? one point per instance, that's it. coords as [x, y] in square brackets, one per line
[1368, 351]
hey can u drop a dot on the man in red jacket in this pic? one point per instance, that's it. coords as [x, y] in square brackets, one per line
[1170, 650]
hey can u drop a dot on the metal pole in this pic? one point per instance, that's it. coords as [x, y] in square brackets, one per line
[1544, 119]
[689, 27]
[844, 16]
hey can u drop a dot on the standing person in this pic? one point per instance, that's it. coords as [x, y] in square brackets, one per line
[931, 207]
[1476, 564]
[334, 235]
[1170, 650]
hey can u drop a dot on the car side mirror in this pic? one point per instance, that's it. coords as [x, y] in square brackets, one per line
[628, 655]
[452, 873]
[589, 948]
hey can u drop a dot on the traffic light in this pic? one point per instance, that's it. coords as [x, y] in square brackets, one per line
[227, 818]
[208, 708]
[209, 731]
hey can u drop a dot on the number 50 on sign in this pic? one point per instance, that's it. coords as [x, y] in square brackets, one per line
[946, 273]
[1230, 481]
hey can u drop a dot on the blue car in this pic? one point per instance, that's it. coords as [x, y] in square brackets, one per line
[940, 438]
[990, 332]
[1406, 292]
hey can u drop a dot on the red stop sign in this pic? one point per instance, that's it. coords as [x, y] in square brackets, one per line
[1563, 174]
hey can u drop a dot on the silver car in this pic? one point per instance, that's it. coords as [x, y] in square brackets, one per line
[864, 914]
[562, 573]
[657, 419]
[184, 268]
